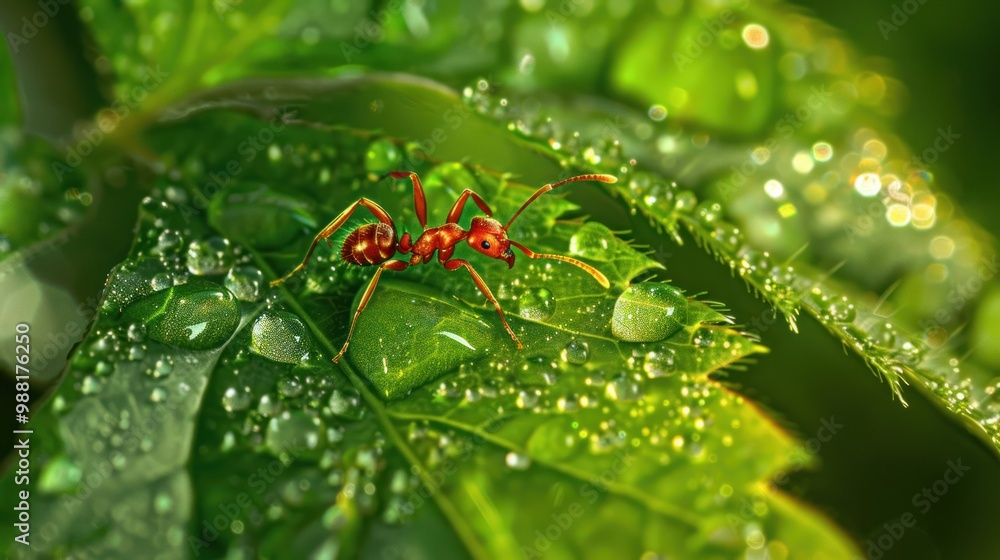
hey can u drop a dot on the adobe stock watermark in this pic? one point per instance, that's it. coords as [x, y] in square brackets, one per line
[107, 120]
[566, 516]
[370, 30]
[798, 458]
[695, 46]
[439, 476]
[249, 149]
[899, 16]
[957, 298]
[876, 208]
[784, 129]
[230, 513]
[31, 25]
[942, 143]
[894, 530]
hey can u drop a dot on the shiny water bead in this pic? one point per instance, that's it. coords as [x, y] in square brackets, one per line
[648, 312]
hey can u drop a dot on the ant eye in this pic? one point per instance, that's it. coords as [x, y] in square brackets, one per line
[485, 244]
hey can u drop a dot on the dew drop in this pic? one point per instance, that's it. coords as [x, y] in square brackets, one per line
[660, 363]
[90, 385]
[280, 336]
[590, 241]
[245, 282]
[290, 388]
[234, 399]
[648, 311]
[382, 156]
[292, 431]
[518, 461]
[346, 403]
[536, 304]
[209, 256]
[576, 353]
[197, 315]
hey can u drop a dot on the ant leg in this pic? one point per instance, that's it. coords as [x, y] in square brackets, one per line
[419, 200]
[390, 265]
[456, 210]
[601, 279]
[332, 227]
[455, 264]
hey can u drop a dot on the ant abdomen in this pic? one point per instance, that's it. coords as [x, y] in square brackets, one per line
[370, 244]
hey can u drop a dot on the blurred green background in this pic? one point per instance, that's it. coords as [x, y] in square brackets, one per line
[886, 453]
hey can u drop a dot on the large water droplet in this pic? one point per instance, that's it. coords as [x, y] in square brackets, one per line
[648, 311]
[536, 304]
[280, 336]
[591, 240]
[259, 216]
[198, 315]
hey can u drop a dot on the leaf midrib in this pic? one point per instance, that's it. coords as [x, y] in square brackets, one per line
[450, 511]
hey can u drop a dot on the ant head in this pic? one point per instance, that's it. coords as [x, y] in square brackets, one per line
[489, 237]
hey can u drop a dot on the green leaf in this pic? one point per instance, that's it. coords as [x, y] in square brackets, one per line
[261, 446]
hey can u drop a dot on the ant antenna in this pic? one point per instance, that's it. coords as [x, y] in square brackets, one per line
[591, 177]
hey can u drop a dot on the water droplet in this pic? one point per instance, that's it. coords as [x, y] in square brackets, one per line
[293, 431]
[235, 399]
[90, 385]
[259, 216]
[245, 282]
[518, 461]
[280, 336]
[197, 315]
[169, 240]
[269, 406]
[660, 363]
[290, 388]
[685, 201]
[136, 332]
[527, 399]
[59, 475]
[591, 240]
[346, 403]
[158, 395]
[708, 211]
[536, 304]
[382, 156]
[622, 388]
[576, 352]
[649, 311]
[209, 256]
[162, 368]
[161, 281]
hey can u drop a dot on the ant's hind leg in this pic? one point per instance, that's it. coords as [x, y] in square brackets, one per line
[390, 265]
[455, 264]
[332, 228]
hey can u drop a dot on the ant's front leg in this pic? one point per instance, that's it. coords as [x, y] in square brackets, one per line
[456, 264]
[332, 228]
[456, 210]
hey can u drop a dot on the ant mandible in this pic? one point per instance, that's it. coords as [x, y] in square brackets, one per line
[375, 244]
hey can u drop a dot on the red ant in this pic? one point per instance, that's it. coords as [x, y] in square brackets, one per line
[376, 244]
